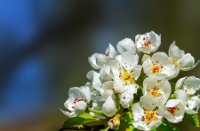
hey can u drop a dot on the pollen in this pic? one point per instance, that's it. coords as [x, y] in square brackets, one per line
[127, 77]
[150, 116]
[155, 68]
[172, 110]
[154, 91]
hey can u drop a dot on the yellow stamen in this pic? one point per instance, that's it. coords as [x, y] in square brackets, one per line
[150, 116]
[155, 68]
[127, 77]
[154, 92]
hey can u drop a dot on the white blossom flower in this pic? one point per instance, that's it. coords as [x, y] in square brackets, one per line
[77, 101]
[127, 73]
[125, 77]
[186, 91]
[146, 119]
[126, 45]
[159, 66]
[148, 42]
[98, 60]
[175, 111]
[182, 61]
[111, 89]
[156, 90]
[109, 107]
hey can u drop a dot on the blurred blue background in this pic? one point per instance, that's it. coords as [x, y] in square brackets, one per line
[44, 46]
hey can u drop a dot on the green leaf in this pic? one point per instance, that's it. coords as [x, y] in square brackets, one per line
[82, 119]
[166, 126]
[193, 119]
[126, 122]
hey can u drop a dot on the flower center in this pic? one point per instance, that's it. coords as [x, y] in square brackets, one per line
[149, 116]
[154, 91]
[127, 77]
[155, 68]
[147, 43]
[172, 110]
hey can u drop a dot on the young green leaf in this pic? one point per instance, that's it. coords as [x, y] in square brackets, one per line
[193, 119]
[82, 119]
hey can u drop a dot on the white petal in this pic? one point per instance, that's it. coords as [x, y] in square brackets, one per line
[76, 92]
[69, 103]
[97, 60]
[154, 124]
[187, 62]
[155, 39]
[165, 86]
[106, 70]
[160, 58]
[170, 71]
[181, 95]
[108, 85]
[105, 73]
[175, 52]
[193, 105]
[110, 51]
[147, 65]
[180, 82]
[138, 112]
[129, 60]
[80, 107]
[148, 102]
[86, 91]
[192, 84]
[118, 85]
[137, 71]
[172, 103]
[126, 45]
[126, 99]
[68, 114]
[109, 108]
[149, 83]
[131, 88]
[108, 90]
[95, 78]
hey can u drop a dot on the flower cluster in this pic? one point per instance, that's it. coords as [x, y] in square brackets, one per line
[135, 78]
